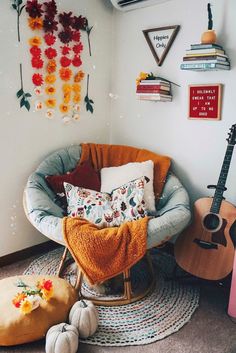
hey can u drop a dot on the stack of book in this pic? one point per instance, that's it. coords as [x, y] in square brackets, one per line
[156, 90]
[205, 57]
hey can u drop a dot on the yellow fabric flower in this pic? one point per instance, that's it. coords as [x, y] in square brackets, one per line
[50, 79]
[35, 41]
[77, 98]
[26, 306]
[35, 23]
[47, 294]
[66, 88]
[66, 97]
[64, 108]
[142, 76]
[76, 87]
[50, 90]
[79, 76]
[50, 103]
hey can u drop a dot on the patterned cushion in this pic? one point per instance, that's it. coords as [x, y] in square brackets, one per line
[125, 203]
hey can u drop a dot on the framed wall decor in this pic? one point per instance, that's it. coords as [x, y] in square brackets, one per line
[205, 101]
[160, 40]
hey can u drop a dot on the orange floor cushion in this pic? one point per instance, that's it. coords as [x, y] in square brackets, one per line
[17, 327]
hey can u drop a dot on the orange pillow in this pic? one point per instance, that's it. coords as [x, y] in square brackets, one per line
[17, 328]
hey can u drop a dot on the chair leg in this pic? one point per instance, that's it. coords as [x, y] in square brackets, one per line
[62, 262]
[127, 285]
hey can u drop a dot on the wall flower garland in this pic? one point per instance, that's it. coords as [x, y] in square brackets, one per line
[55, 50]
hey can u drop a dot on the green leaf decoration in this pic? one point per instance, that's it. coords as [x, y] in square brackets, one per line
[19, 93]
[22, 8]
[14, 6]
[22, 102]
[27, 105]
[28, 95]
[87, 100]
[98, 220]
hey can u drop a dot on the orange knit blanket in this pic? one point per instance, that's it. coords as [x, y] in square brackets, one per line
[104, 253]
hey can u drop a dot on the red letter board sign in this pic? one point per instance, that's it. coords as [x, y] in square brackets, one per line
[205, 101]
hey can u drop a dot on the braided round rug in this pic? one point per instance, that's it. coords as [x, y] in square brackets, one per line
[161, 313]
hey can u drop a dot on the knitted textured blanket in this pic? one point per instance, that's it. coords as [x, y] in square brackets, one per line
[104, 253]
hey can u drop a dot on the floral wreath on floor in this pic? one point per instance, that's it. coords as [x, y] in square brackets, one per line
[30, 297]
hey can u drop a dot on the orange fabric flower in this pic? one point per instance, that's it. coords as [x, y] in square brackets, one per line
[64, 108]
[66, 88]
[50, 90]
[50, 79]
[66, 97]
[65, 73]
[50, 103]
[77, 98]
[51, 66]
[35, 23]
[18, 299]
[35, 41]
[76, 87]
[79, 76]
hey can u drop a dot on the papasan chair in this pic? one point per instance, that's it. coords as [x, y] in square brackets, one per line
[45, 213]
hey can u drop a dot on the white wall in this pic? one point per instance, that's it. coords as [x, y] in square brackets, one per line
[196, 147]
[26, 138]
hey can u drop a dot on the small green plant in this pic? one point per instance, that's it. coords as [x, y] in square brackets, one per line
[18, 7]
[210, 21]
[24, 102]
[87, 100]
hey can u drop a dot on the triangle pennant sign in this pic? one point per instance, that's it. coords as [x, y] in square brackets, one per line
[160, 41]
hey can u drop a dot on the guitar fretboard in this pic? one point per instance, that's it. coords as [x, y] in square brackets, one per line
[220, 188]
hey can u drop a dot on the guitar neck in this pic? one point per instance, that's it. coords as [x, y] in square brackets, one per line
[220, 188]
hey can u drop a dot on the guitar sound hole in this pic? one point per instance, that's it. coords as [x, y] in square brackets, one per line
[212, 222]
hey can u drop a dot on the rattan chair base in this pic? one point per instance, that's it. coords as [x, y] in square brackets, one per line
[128, 297]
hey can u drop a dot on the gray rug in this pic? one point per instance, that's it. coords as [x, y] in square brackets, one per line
[163, 312]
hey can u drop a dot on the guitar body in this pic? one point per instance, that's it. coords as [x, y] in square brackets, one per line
[205, 249]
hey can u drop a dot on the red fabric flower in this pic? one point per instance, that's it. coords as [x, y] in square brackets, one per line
[34, 8]
[80, 23]
[49, 39]
[37, 62]
[77, 61]
[50, 8]
[76, 36]
[37, 79]
[50, 53]
[65, 36]
[35, 51]
[49, 24]
[65, 61]
[78, 48]
[66, 19]
[65, 50]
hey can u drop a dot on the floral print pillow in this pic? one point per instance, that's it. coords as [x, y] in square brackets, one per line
[125, 203]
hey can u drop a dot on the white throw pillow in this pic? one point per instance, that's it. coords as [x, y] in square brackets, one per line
[113, 177]
[124, 204]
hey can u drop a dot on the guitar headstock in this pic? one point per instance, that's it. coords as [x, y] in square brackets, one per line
[232, 135]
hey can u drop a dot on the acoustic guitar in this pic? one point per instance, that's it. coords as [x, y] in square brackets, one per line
[206, 248]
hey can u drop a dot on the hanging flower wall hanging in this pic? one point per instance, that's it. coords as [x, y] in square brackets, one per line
[22, 95]
[18, 7]
[55, 50]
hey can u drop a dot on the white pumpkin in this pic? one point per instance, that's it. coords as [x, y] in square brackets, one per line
[62, 338]
[84, 316]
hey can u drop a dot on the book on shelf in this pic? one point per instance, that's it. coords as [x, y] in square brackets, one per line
[157, 95]
[218, 57]
[205, 54]
[204, 66]
[153, 87]
[155, 82]
[151, 91]
[197, 62]
[204, 51]
[206, 46]
[154, 98]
